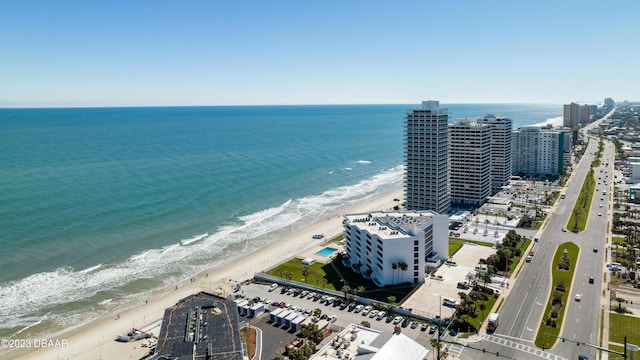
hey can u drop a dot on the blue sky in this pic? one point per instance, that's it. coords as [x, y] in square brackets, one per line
[157, 52]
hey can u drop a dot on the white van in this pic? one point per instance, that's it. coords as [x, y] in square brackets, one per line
[450, 302]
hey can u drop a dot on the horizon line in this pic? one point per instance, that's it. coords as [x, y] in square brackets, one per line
[63, 106]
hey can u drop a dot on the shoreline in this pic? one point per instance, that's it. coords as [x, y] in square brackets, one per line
[96, 338]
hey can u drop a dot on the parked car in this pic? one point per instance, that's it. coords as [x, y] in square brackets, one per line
[414, 324]
[424, 327]
[380, 315]
[366, 310]
[405, 322]
[432, 329]
[332, 318]
[373, 313]
[397, 319]
[358, 308]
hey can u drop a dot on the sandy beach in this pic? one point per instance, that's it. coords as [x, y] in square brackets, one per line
[95, 340]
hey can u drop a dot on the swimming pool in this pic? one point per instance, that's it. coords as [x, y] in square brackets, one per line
[326, 251]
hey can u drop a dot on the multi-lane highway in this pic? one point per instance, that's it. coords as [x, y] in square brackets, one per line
[523, 310]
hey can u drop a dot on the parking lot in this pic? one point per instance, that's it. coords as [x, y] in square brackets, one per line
[343, 315]
[429, 298]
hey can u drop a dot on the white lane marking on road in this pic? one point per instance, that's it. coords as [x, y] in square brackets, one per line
[529, 316]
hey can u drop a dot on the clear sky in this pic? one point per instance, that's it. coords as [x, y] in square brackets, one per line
[237, 52]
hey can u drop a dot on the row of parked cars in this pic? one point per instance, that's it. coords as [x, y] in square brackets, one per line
[364, 310]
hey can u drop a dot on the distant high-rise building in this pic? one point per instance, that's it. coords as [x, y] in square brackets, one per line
[571, 119]
[585, 114]
[469, 162]
[426, 185]
[501, 129]
[608, 104]
[538, 151]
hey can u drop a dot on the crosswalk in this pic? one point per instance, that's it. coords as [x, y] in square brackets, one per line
[522, 347]
[455, 349]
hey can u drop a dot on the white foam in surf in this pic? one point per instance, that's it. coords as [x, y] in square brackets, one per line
[90, 269]
[555, 121]
[193, 239]
[19, 300]
[364, 162]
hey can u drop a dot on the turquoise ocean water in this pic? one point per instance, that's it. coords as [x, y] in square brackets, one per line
[100, 205]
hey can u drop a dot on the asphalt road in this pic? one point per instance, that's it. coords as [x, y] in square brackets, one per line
[523, 310]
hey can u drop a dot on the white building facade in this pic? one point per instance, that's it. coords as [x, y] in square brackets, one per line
[426, 183]
[634, 170]
[393, 247]
[538, 151]
[501, 143]
[469, 162]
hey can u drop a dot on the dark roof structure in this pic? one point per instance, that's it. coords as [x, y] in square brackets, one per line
[200, 326]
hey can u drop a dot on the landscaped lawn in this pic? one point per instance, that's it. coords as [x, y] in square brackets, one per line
[558, 277]
[334, 282]
[475, 321]
[618, 240]
[621, 326]
[317, 272]
[456, 243]
[583, 204]
[522, 246]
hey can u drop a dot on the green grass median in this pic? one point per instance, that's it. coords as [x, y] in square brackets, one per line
[561, 278]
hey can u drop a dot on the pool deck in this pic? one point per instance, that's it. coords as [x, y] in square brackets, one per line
[311, 253]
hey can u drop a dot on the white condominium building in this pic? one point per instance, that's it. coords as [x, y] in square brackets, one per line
[538, 151]
[393, 247]
[501, 168]
[470, 162]
[426, 181]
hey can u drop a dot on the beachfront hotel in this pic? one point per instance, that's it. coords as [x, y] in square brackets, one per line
[394, 247]
[470, 162]
[426, 182]
[501, 142]
[539, 151]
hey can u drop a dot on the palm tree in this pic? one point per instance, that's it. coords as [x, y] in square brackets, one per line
[346, 290]
[324, 282]
[305, 272]
[437, 346]
[394, 266]
[391, 299]
[403, 266]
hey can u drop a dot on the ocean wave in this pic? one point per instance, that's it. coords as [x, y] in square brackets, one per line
[20, 300]
[364, 162]
[348, 169]
[193, 239]
[554, 121]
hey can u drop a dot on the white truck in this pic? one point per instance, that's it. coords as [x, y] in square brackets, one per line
[492, 322]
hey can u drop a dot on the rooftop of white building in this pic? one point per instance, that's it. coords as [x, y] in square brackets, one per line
[394, 224]
[361, 343]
